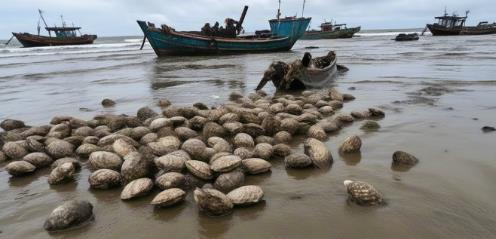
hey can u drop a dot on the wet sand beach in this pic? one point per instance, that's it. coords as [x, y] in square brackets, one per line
[437, 94]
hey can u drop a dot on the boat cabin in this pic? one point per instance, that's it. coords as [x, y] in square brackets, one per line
[452, 21]
[328, 27]
[63, 32]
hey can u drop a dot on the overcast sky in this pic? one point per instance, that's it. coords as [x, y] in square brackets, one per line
[118, 17]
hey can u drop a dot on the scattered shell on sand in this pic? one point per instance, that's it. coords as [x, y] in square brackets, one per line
[108, 103]
[297, 161]
[70, 214]
[225, 163]
[11, 124]
[351, 144]
[102, 159]
[61, 173]
[170, 180]
[104, 179]
[363, 193]
[19, 168]
[256, 165]
[228, 181]
[137, 188]
[199, 169]
[169, 197]
[403, 158]
[246, 195]
[39, 160]
[212, 202]
[318, 153]
[14, 150]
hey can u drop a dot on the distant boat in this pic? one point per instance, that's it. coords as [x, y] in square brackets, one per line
[447, 25]
[64, 35]
[407, 37]
[167, 41]
[331, 31]
[483, 28]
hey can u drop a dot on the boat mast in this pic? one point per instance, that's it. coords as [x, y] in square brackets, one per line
[303, 9]
[279, 10]
[42, 18]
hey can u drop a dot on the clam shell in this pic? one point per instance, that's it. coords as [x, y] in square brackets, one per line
[229, 117]
[317, 132]
[263, 151]
[282, 137]
[351, 144]
[102, 159]
[335, 104]
[84, 131]
[264, 139]
[326, 110]
[281, 150]
[276, 108]
[370, 125]
[171, 111]
[11, 124]
[344, 118]
[228, 181]
[172, 162]
[170, 180]
[212, 201]
[134, 167]
[3, 157]
[404, 158]
[185, 133]
[256, 165]
[62, 173]
[253, 130]
[169, 197]
[297, 161]
[329, 126]
[363, 193]
[219, 144]
[122, 147]
[212, 129]
[197, 122]
[34, 145]
[243, 140]
[194, 147]
[199, 169]
[145, 113]
[233, 128]
[217, 156]
[360, 115]
[148, 138]
[104, 179]
[86, 149]
[374, 112]
[318, 153]
[39, 160]
[307, 118]
[348, 97]
[159, 123]
[59, 149]
[70, 214]
[60, 161]
[137, 188]
[290, 125]
[138, 132]
[207, 154]
[294, 109]
[225, 163]
[270, 125]
[246, 195]
[335, 94]
[243, 153]
[19, 168]
[14, 150]
[59, 131]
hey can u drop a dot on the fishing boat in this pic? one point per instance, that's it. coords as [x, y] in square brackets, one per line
[483, 28]
[328, 30]
[447, 25]
[165, 40]
[407, 37]
[64, 35]
[303, 74]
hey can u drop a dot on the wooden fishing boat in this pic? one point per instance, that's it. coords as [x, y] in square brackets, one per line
[167, 41]
[331, 31]
[447, 25]
[303, 74]
[407, 37]
[63, 36]
[483, 28]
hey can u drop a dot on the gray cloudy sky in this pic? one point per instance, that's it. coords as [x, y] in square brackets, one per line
[118, 17]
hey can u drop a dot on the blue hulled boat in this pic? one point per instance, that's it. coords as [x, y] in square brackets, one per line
[167, 41]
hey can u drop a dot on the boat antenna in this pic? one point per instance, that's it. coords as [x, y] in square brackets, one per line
[445, 11]
[62, 18]
[279, 10]
[466, 13]
[303, 9]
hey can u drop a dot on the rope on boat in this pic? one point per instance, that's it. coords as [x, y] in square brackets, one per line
[143, 43]
[9, 40]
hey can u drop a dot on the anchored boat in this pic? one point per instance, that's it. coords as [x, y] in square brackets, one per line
[483, 28]
[64, 35]
[331, 31]
[165, 40]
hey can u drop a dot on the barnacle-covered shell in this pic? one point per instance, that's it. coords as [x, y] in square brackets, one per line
[263, 151]
[194, 147]
[281, 150]
[256, 165]
[104, 179]
[62, 173]
[229, 181]
[39, 160]
[318, 153]
[225, 163]
[60, 149]
[403, 158]
[199, 169]
[137, 188]
[297, 161]
[170, 180]
[102, 159]
[169, 197]
[212, 201]
[316, 131]
[363, 193]
[246, 195]
[243, 140]
[19, 168]
[14, 150]
[351, 145]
